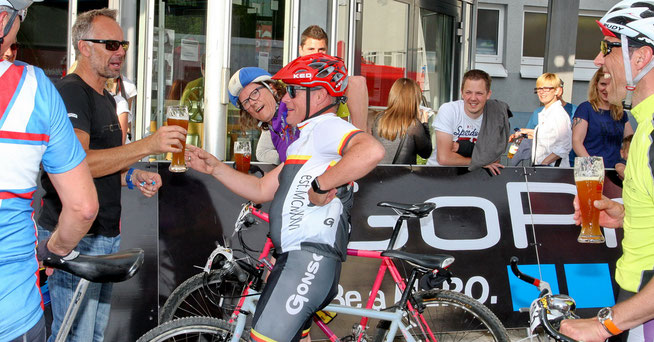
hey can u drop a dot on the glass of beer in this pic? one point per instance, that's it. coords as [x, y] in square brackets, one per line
[242, 155]
[589, 177]
[178, 116]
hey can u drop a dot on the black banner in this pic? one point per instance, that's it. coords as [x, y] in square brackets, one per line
[481, 220]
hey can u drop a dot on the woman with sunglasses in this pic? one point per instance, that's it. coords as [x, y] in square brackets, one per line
[599, 127]
[258, 97]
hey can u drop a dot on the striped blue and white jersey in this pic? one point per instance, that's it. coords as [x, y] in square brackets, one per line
[34, 130]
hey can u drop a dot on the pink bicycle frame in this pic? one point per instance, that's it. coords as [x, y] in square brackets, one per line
[386, 264]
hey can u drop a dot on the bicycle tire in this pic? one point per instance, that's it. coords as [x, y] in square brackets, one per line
[191, 329]
[193, 298]
[453, 316]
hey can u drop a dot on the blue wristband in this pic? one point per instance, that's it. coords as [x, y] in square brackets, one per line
[128, 179]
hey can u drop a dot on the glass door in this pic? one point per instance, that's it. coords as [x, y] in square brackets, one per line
[384, 47]
[257, 40]
[416, 39]
[435, 58]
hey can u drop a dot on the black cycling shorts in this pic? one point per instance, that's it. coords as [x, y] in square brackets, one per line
[300, 284]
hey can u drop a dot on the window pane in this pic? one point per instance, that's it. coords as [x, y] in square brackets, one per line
[257, 40]
[487, 31]
[533, 42]
[379, 38]
[588, 38]
[46, 48]
[435, 57]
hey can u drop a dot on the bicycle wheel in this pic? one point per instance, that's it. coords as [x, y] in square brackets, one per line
[452, 316]
[191, 329]
[215, 298]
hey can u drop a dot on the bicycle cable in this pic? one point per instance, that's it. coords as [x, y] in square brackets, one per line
[531, 216]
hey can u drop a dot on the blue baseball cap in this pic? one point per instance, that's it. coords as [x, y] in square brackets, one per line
[242, 78]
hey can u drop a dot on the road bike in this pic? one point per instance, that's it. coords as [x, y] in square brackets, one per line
[548, 310]
[219, 301]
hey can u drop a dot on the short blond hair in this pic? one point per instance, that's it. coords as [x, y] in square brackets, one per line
[549, 79]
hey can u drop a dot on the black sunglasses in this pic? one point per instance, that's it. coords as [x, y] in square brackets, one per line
[110, 45]
[606, 46]
[292, 90]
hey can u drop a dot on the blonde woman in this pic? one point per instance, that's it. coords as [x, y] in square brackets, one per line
[402, 127]
[598, 126]
[553, 133]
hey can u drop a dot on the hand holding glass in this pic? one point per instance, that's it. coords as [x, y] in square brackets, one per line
[178, 116]
[589, 178]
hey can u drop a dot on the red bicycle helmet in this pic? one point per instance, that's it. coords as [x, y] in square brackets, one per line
[316, 70]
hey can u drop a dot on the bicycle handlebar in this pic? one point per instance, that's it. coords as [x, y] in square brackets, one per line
[551, 330]
[545, 291]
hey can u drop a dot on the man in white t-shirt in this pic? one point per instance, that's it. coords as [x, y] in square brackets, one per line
[458, 123]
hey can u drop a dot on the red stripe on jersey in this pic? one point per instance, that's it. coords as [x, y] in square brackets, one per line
[9, 81]
[7, 195]
[24, 136]
[295, 161]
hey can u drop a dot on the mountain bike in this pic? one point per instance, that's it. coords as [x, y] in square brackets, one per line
[110, 268]
[548, 310]
[226, 297]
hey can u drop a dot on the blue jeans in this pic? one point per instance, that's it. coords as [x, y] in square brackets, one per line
[93, 315]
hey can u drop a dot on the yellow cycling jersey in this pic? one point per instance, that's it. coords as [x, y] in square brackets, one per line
[638, 196]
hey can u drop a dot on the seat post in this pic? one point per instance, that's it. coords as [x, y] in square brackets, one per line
[396, 231]
[409, 287]
[71, 312]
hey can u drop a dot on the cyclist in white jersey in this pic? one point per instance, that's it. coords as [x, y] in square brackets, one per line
[311, 193]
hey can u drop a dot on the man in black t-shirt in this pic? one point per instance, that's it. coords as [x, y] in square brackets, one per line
[98, 41]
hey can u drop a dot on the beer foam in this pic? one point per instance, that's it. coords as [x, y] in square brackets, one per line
[586, 179]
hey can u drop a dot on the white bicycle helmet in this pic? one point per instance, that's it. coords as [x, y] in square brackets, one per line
[17, 4]
[631, 20]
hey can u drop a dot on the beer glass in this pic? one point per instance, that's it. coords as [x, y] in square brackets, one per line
[242, 155]
[178, 116]
[589, 178]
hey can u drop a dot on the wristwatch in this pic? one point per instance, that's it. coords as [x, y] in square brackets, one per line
[605, 316]
[316, 187]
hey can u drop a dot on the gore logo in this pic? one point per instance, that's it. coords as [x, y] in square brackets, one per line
[302, 75]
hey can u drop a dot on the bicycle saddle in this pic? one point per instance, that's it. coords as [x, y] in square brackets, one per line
[430, 261]
[417, 209]
[110, 268]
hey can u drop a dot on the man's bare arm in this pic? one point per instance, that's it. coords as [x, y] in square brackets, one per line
[357, 101]
[258, 190]
[361, 155]
[111, 160]
[79, 201]
[444, 154]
